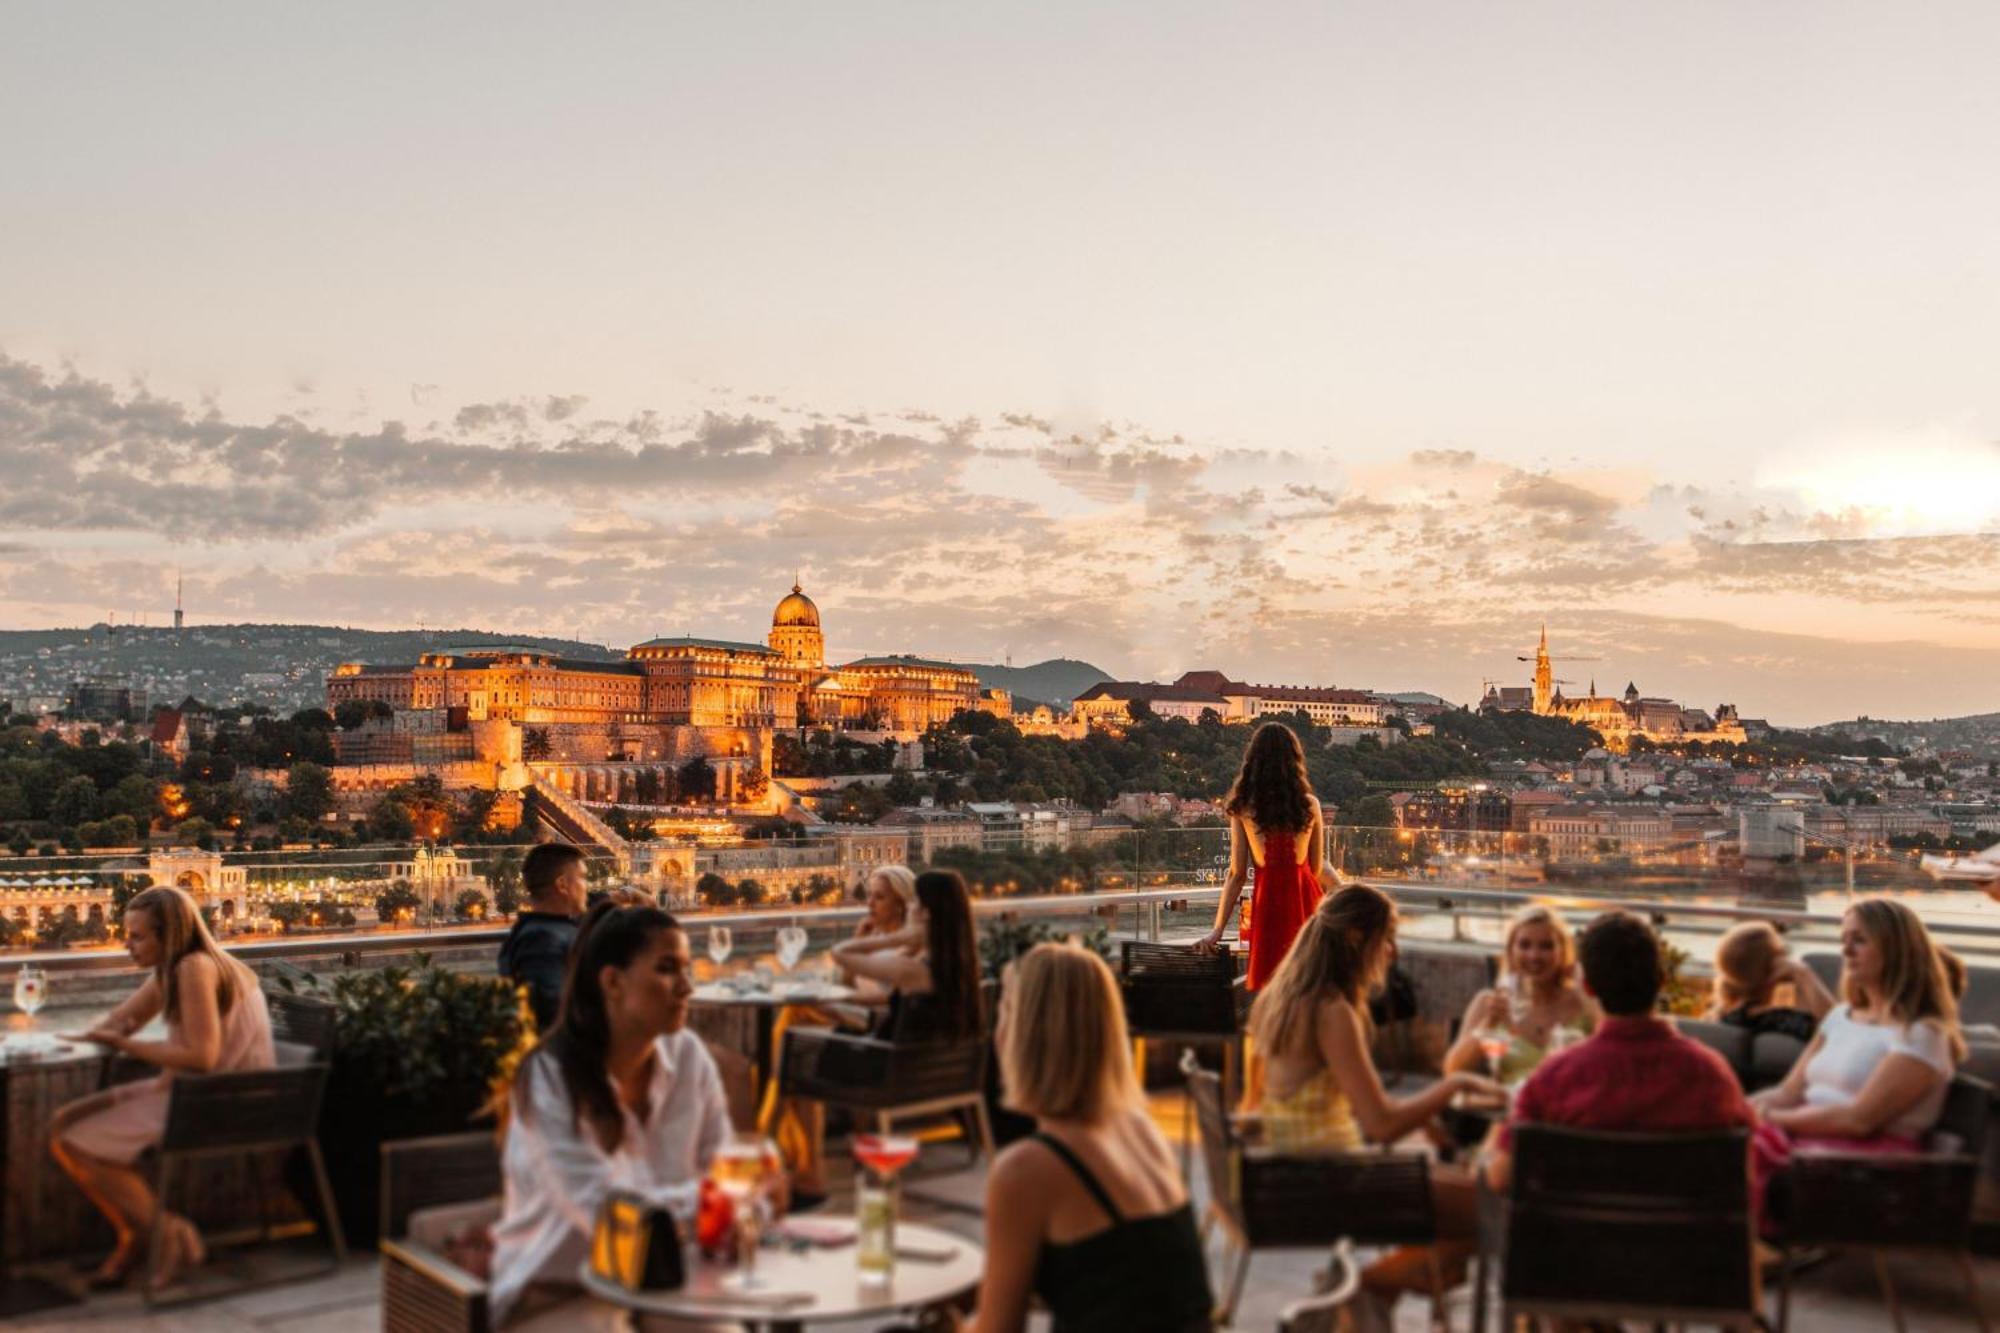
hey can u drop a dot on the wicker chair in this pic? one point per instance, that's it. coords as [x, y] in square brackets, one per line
[422, 1291]
[1264, 1200]
[301, 1021]
[245, 1113]
[1603, 1226]
[1183, 997]
[1919, 1203]
[887, 1081]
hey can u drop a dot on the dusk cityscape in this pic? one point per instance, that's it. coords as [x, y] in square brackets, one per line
[821, 633]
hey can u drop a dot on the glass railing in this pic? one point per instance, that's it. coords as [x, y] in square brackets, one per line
[1147, 881]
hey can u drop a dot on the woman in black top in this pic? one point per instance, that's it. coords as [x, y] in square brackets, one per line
[1751, 964]
[1091, 1214]
[931, 965]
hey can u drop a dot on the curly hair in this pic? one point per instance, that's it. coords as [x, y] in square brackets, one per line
[1272, 789]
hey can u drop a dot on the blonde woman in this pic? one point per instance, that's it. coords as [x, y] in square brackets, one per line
[1090, 1214]
[1321, 1089]
[1875, 1077]
[216, 1022]
[1537, 1003]
[891, 896]
[1751, 965]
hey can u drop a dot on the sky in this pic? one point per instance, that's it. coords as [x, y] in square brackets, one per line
[1328, 344]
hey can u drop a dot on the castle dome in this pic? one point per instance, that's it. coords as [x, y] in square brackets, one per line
[795, 609]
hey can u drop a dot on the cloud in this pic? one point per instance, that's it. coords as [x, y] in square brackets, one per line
[932, 532]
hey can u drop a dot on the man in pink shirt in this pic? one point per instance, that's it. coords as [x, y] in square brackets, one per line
[1637, 1072]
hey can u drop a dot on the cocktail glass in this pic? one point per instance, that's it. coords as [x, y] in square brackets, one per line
[876, 1204]
[741, 1167]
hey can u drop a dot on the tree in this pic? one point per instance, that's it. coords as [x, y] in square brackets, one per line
[697, 780]
[470, 905]
[20, 844]
[535, 745]
[389, 819]
[397, 902]
[75, 802]
[902, 788]
[753, 784]
[308, 791]
[714, 889]
[503, 877]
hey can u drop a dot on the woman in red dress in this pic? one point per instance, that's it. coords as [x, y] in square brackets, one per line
[1275, 827]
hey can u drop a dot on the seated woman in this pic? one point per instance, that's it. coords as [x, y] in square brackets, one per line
[892, 905]
[1090, 1214]
[618, 1093]
[1751, 966]
[1321, 1088]
[799, 1127]
[1538, 1000]
[216, 1023]
[930, 967]
[1875, 1077]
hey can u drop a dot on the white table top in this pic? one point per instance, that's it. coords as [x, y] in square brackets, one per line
[796, 992]
[826, 1274]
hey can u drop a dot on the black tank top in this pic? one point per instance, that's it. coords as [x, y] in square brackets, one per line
[1138, 1273]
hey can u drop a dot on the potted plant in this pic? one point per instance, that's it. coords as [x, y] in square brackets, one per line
[417, 1050]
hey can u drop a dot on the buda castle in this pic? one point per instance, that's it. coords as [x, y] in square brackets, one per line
[666, 699]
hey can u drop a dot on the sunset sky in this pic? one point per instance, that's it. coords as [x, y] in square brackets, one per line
[1330, 344]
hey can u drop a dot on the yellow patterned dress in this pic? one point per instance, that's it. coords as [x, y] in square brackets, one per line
[1313, 1117]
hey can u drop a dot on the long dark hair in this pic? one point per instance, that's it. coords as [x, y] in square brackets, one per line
[579, 1043]
[954, 951]
[1272, 788]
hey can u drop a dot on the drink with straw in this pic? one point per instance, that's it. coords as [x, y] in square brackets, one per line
[875, 1203]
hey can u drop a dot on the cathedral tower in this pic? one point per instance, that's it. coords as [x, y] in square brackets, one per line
[1545, 675]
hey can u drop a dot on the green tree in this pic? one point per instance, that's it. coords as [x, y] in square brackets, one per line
[503, 877]
[470, 905]
[389, 819]
[752, 784]
[75, 802]
[20, 844]
[308, 791]
[397, 902]
[535, 745]
[713, 889]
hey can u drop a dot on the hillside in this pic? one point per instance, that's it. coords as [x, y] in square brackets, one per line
[1978, 733]
[1056, 681]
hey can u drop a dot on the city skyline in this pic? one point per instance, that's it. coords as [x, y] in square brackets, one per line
[1337, 347]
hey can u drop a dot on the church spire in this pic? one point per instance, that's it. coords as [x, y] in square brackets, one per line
[1545, 675]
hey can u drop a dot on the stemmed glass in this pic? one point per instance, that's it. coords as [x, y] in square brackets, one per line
[742, 1166]
[719, 941]
[875, 1203]
[31, 991]
[791, 941]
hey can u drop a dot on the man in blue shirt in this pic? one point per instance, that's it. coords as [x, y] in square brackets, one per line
[535, 953]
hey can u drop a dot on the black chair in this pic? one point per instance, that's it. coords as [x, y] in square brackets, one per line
[251, 1113]
[301, 1022]
[1629, 1226]
[1920, 1203]
[1178, 995]
[1265, 1200]
[422, 1290]
[886, 1081]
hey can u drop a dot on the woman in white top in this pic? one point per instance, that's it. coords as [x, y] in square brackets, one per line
[1875, 1077]
[216, 1022]
[617, 1095]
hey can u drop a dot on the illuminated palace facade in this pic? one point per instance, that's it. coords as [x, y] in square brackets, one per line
[1617, 719]
[666, 699]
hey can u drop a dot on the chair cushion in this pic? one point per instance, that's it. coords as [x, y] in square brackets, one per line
[1732, 1043]
[1772, 1055]
[434, 1227]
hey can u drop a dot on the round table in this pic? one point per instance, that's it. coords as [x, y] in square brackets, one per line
[826, 1275]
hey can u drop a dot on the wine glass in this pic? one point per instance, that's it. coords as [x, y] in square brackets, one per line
[742, 1166]
[791, 941]
[875, 1203]
[719, 941]
[1493, 1044]
[31, 991]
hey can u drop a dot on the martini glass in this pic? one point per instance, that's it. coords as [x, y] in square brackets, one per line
[875, 1203]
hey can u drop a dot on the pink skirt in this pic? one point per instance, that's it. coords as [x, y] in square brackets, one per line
[1772, 1150]
[134, 1119]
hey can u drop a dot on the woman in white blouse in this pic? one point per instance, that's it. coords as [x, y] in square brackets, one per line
[617, 1095]
[1875, 1077]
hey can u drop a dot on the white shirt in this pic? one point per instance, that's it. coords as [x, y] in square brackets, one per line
[1853, 1050]
[557, 1173]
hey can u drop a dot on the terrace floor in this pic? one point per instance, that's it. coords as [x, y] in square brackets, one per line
[1835, 1297]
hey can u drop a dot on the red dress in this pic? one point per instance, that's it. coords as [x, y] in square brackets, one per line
[1283, 894]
